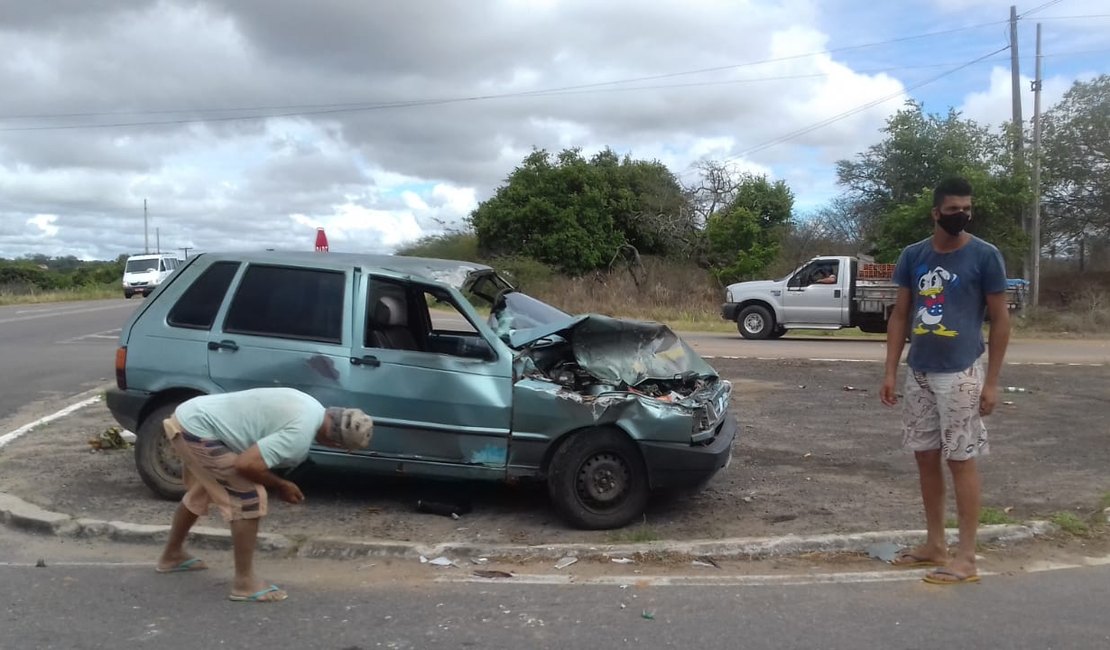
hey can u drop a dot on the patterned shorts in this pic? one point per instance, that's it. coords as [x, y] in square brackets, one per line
[941, 411]
[208, 468]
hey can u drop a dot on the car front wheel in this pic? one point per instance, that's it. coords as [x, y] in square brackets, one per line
[755, 322]
[155, 458]
[597, 480]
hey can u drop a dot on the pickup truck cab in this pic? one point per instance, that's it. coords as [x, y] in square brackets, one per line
[825, 293]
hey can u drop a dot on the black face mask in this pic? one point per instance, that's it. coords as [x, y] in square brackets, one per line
[954, 224]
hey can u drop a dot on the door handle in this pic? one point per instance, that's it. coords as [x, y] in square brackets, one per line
[223, 345]
[366, 360]
[836, 294]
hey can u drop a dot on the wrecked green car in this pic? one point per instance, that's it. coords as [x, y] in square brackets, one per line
[603, 410]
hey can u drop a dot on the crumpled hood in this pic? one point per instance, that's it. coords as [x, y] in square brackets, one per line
[619, 351]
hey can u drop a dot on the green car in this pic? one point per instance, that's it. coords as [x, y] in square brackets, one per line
[603, 410]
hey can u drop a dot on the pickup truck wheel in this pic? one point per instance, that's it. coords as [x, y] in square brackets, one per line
[155, 458]
[597, 480]
[755, 322]
[778, 332]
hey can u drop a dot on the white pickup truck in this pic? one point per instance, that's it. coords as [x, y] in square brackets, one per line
[825, 293]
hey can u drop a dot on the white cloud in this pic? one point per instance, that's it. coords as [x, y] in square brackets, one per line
[994, 106]
[373, 125]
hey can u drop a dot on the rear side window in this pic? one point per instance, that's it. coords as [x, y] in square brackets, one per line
[292, 303]
[197, 307]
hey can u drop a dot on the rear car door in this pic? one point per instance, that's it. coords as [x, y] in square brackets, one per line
[436, 380]
[285, 326]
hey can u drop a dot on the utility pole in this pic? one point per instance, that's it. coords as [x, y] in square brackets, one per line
[1036, 226]
[158, 241]
[146, 230]
[1019, 126]
[186, 249]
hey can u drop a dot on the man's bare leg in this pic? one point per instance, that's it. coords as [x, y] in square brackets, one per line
[244, 536]
[174, 552]
[931, 476]
[965, 478]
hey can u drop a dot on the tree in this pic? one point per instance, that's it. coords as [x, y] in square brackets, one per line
[577, 215]
[743, 236]
[1076, 166]
[888, 188]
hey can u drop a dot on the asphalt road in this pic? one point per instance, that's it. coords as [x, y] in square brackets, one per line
[54, 351]
[108, 597]
[51, 352]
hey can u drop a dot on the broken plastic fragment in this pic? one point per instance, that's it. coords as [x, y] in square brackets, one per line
[441, 561]
[885, 551]
[565, 562]
[623, 560]
[648, 615]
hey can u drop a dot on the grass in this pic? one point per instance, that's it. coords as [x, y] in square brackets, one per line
[988, 516]
[1070, 523]
[82, 293]
[636, 535]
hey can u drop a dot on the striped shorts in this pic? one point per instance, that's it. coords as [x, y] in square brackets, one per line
[208, 469]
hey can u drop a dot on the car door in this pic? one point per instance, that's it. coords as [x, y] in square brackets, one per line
[285, 326]
[436, 380]
[807, 301]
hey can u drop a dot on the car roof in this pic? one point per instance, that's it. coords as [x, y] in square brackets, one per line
[451, 272]
[150, 256]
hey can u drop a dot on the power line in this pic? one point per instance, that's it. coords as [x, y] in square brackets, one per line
[330, 108]
[823, 123]
[1042, 7]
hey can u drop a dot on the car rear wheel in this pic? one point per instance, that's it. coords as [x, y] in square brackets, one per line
[597, 480]
[155, 458]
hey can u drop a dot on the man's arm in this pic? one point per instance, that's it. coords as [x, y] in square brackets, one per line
[250, 465]
[996, 349]
[895, 342]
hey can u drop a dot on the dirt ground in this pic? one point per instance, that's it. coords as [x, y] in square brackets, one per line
[813, 457]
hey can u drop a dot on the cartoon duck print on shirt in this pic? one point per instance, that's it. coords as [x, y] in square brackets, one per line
[931, 286]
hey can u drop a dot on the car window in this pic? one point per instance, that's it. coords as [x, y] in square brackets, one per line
[445, 316]
[198, 305]
[390, 321]
[285, 302]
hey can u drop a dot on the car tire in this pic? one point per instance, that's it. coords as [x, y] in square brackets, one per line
[157, 462]
[127, 294]
[597, 480]
[755, 322]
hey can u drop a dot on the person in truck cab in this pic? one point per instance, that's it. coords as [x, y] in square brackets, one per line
[824, 276]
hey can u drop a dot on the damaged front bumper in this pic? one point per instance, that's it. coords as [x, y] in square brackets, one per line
[677, 465]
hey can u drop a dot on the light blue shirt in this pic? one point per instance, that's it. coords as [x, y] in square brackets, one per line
[282, 421]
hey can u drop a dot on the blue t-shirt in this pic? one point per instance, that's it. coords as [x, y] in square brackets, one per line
[949, 302]
[282, 421]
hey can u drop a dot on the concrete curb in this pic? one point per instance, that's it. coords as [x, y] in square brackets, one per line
[17, 513]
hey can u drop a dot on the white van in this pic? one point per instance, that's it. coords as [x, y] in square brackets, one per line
[143, 273]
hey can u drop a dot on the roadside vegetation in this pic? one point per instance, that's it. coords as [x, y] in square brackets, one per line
[38, 278]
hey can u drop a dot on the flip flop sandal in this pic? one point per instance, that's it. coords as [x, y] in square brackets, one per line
[263, 596]
[955, 578]
[913, 561]
[192, 564]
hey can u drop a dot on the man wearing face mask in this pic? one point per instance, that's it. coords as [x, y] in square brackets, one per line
[946, 284]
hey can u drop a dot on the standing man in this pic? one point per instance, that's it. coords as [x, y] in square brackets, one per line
[946, 283]
[228, 443]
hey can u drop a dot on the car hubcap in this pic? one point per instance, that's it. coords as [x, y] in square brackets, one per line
[603, 480]
[753, 323]
[168, 462]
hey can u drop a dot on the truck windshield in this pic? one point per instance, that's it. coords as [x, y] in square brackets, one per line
[140, 266]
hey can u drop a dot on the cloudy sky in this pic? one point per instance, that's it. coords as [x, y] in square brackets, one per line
[248, 123]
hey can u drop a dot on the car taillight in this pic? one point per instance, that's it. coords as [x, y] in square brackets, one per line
[121, 368]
